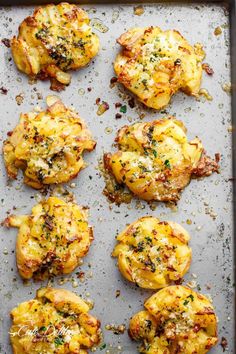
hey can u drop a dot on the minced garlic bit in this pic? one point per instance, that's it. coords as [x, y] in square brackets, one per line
[204, 92]
[138, 10]
[99, 25]
[227, 87]
[116, 329]
[102, 108]
[115, 16]
[19, 99]
[217, 31]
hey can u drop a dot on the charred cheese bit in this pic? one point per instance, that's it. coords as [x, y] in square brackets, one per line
[176, 320]
[55, 322]
[155, 64]
[56, 38]
[52, 240]
[47, 146]
[152, 253]
[156, 161]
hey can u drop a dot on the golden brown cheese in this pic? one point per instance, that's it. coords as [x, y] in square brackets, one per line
[55, 322]
[155, 64]
[52, 240]
[156, 161]
[47, 146]
[176, 320]
[152, 253]
[56, 38]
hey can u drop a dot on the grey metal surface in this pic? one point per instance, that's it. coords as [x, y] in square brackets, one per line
[205, 208]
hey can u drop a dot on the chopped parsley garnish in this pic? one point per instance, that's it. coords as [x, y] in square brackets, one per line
[43, 328]
[167, 163]
[140, 246]
[103, 346]
[191, 297]
[58, 341]
[148, 239]
[154, 153]
[123, 109]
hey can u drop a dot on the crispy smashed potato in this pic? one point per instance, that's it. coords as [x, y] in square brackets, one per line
[155, 64]
[156, 161]
[152, 253]
[47, 146]
[55, 322]
[56, 38]
[52, 240]
[176, 320]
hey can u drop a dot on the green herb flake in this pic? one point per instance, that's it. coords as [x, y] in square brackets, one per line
[154, 153]
[123, 109]
[103, 346]
[43, 328]
[191, 297]
[185, 303]
[148, 239]
[58, 341]
[167, 163]
[140, 246]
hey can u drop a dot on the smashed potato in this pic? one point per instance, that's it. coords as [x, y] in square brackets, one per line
[156, 161]
[52, 240]
[56, 38]
[47, 146]
[55, 322]
[152, 253]
[155, 64]
[176, 320]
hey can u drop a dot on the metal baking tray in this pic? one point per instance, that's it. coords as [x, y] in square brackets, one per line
[206, 208]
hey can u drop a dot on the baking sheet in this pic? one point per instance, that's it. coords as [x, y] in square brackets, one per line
[205, 209]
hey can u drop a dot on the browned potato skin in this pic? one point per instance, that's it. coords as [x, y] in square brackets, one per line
[176, 320]
[52, 240]
[156, 161]
[53, 312]
[56, 38]
[153, 253]
[47, 146]
[155, 64]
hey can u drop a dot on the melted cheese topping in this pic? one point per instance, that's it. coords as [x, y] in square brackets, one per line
[152, 253]
[155, 64]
